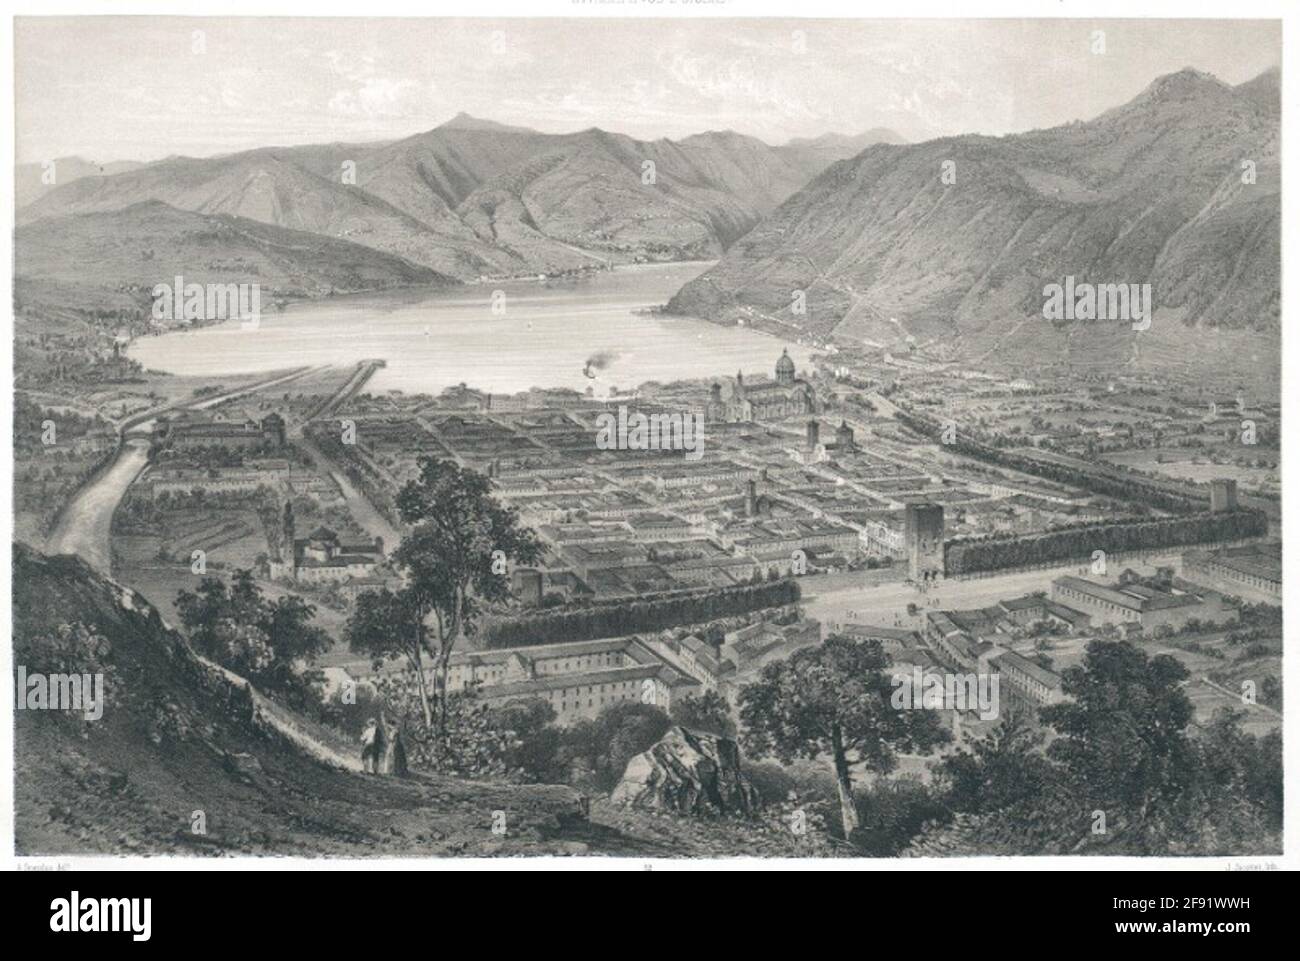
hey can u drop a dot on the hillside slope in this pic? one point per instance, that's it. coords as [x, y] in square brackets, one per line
[1151, 191]
[180, 735]
[626, 199]
[815, 154]
[473, 198]
[99, 258]
[279, 187]
[30, 179]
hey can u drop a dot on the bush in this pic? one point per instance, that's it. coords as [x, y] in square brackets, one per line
[891, 813]
[708, 713]
[594, 754]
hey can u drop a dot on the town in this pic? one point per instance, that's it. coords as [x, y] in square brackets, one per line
[648, 437]
[830, 477]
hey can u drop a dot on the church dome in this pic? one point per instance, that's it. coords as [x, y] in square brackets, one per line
[785, 367]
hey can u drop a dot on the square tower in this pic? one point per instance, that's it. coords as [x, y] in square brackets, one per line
[923, 534]
[1223, 495]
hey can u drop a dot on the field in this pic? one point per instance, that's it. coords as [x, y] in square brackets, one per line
[1194, 465]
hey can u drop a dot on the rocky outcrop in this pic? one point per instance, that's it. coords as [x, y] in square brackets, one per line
[688, 773]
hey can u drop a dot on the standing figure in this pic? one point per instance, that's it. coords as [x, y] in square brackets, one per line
[392, 758]
[372, 746]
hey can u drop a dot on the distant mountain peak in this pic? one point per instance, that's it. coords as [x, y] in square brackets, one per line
[866, 138]
[465, 121]
[1186, 82]
[862, 238]
[726, 134]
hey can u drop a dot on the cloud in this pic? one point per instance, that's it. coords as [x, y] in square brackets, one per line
[98, 86]
[739, 81]
[350, 65]
[375, 97]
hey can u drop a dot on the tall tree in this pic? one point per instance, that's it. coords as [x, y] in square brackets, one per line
[1000, 770]
[383, 625]
[1123, 733]
[834, 700]
[456, 557]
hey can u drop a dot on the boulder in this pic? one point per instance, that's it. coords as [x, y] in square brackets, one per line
[244, 766]
[688, 773]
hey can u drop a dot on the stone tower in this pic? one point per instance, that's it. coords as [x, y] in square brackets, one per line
[1223, 495]
[923, 534]
[526, 583]
[288, 556]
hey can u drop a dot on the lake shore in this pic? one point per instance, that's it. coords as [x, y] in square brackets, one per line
[511, 338]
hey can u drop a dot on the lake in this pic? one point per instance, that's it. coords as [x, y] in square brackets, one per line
[541, 335]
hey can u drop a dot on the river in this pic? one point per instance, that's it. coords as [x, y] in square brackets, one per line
[83, 527]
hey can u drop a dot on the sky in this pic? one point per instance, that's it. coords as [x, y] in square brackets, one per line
[141, 88]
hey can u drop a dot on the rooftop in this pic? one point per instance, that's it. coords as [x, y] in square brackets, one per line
[1132, 596]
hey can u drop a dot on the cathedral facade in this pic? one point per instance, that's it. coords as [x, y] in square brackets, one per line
[786, 396]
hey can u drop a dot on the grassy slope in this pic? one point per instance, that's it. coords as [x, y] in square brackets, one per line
[180, 736]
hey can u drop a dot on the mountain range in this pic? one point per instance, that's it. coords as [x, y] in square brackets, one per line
[951, 242]
[947, 243]
[472, 198]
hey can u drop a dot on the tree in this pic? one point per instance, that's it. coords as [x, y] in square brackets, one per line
[708, 712]
[384, 625]
[1000, 770]
[834, 700]
[1238, 765]
[456, 554]
[532, 752]
[349, 711]
[892, 812]
[595, 752]
[261, 639]
[1123, 737]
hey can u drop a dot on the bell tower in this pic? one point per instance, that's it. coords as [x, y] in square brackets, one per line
[288, 555]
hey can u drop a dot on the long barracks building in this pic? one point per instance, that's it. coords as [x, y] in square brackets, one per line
[578, 680]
